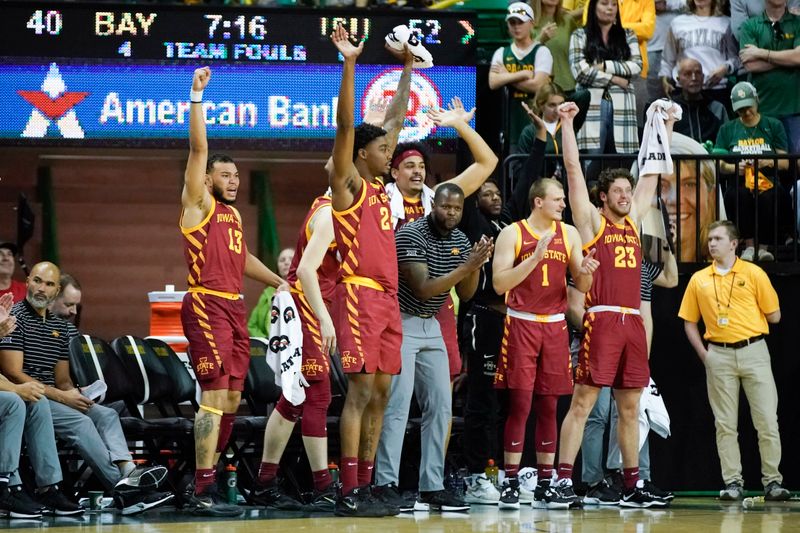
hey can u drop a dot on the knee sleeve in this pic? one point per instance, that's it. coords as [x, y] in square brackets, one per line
[546, 425]
[287, 410]
[315, 409]
[519, 407]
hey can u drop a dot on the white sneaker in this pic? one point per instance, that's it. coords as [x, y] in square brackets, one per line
[748, 254]
[765, 255]
[482, 491]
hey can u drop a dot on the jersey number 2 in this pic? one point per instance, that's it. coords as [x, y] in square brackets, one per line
[386, 219]
[624, 257]
[235, 240]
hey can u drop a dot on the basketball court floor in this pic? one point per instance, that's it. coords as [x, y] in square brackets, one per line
[685, 515]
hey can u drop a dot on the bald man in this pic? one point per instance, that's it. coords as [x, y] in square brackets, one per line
[37, 351]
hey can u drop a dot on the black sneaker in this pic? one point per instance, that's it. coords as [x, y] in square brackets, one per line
[56, 503]
[15, 503]
[439, 501]
[639, 497]
[138, 501]
[775, 492]
[391, 496]
[272, 496]
[601, 494]
[545, 497]
[665, 495]
[143, 478]
[360, 502]
[211, 503]
[509, 496]
[323, 501]
[565, 492]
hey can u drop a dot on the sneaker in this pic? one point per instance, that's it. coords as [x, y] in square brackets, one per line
[509, 497]
[775, 492]
[142, 477]
[272, 496]
[15, 503]
[137, 501]
[482, 491]
[360, 502]
[545, 497]
[391, 495]
[211, 503]
[601, 494]
[640, 498]
[565, 493]
[748, 254]
[56, 503]
[657, 492]
[732, 492]
[323, 501]
[441, 501]
[765, 255]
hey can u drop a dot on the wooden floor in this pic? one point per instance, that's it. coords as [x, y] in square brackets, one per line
[685, 515]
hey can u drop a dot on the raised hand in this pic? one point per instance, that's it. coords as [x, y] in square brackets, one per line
[8, 323]
[201, 78]
[341, 40]
[451, 116]
[567, 111]
[376, 110]
[404, 56]
[535, 119]
[589, 263]
[541, 246]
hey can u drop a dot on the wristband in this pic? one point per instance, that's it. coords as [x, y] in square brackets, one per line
[196, 97]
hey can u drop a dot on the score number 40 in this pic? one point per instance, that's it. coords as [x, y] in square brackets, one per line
[50, 22]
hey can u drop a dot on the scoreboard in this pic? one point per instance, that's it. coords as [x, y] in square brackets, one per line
[78, 74]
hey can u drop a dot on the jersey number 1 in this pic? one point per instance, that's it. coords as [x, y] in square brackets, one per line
[235, 240]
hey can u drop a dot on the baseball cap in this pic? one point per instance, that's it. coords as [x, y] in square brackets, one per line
[520, 11]
[9, 246]
[743, 94]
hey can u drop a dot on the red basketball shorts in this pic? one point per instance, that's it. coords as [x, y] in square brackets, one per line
[315, 365]
[219, 343]
[613, 352]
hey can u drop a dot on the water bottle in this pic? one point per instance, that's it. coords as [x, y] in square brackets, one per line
[334, 472]
[232, 492]
[492, 471]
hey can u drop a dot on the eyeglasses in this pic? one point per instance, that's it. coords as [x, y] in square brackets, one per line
[776, 28]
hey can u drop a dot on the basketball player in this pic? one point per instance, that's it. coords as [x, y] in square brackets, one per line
[213, 313]
[530, 267]
[614, 348]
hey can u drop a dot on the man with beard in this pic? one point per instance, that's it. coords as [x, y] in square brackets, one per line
[530, 267]
[213, 313]
[37, 352]
[68, 300]
[434, 256]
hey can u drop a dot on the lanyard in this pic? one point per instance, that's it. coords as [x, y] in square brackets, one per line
[730, 294]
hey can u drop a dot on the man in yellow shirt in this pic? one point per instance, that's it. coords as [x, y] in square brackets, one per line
[736, 300]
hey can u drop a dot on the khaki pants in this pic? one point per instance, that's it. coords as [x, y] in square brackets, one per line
[726, 369]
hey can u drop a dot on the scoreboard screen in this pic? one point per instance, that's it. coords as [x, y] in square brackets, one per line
[78, 74]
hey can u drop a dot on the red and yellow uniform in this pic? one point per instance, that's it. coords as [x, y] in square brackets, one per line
[413, 209]
[368, 320]
[534, 354]
[315, 366]
[213, 312]
[614, 347]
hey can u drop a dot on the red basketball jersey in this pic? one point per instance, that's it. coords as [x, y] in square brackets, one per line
[617, 281]
[328, 269]
[544, 291]
[365, 238]
[215, 250]
[413, 209]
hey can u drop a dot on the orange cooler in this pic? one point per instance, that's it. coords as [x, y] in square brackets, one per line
[165, 317]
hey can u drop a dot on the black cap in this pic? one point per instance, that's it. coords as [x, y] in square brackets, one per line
[9, 245]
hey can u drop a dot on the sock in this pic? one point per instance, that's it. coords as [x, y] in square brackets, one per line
[322, 480]
[203, 478]
[511, 470]
[565, 471]
[365, 472]
[267, 472]
[630, 476]
[225, 430]
[545, 473]
[348, 474]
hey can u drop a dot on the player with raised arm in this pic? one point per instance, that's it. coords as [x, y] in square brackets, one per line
[213, 313]
[530, 266]
[613, 351]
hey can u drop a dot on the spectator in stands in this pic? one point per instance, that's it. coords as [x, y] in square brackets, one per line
[666, 11]
[705, 35]
[37, 352]
[771, 54]
[702, 116]
[694, 217]
[756, 135]
[737, 356]
[605, 58]
[8, 253]
[524, 66]
[741, 10]
[258, 323]
[68, 300]
[553, 26]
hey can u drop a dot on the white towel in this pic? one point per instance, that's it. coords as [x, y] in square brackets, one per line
[657, 413]
[654, 154]
[286, 343]
[653, 416]
[396, 201]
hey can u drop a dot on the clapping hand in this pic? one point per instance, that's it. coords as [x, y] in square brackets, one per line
[454, 113]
